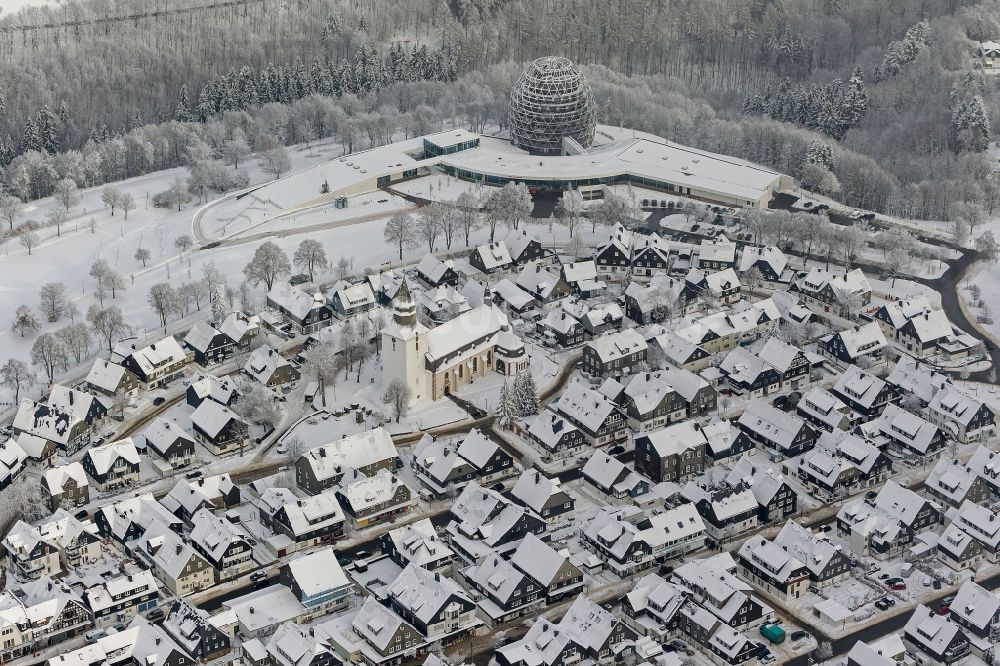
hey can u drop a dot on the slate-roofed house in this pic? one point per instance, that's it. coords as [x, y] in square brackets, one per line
[417, 543]
[180, 568]
[674, 453]
[905, 433]
[485, 521]
[954, 484]
[824, 410]
[914, 325]
[128, 519]
[773, 568]
[883, 527]
[39, 613]
[615, 257]
[270, 368]
[301, 311]
[490, 461]
[209, 344]
[648, 400]
[555, 435]
[370, 500]
[628, 540]
[911, 377]
[348, 299]
[522, 247]
[169, 442]
[934, 635]
[53, 428]
[203, 386]
[435, 272]
[433, 603]
[66, 486]
[503, 591]
[305, 522]
[322, 468]
[985, 463]
[544, 496]
[650, 255]
[860, 345]
[111, 379]
[582, 277]
[654, 302]
[726, 510]
[219, 428]
[980, 523]
[957, 549]
[776, 499]
[543, 285]
[613, 478]
[825, 561]
[188, 496]
[13, 460]
[491, 258]
[720, 286]
[842, 464]
[679, 351]
[716, 255]
[587, 631]
[976, 610]
[832, 290]
[195, 632]
[596, 416]
[964, 417]
[713, 585]
[563, 328]
[119, 598]
[614, 353]
[112, 466]
[439, 467]
[242, 329]
[156, 364]
[225, 546]
[863, 392]
[551, 569]
[699, 395]
[770, 428]
[769, 261]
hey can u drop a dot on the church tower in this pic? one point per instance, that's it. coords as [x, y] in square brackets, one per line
[403, 346]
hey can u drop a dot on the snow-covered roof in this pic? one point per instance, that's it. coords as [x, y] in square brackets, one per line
[512, 294]
[264, 362]
[560, 321]
[311, 514]
[200, 336]
[353, 295]
[219, 389]
[533, 489]
[677, 349]
[237, 324]
[214, 533]
[931, 631]
[537, 280]
[192, 494]
[104, 456]
[49, 423]
[912, 376]
[771, 557]
[585, 406]
[675, 439]
[951, 480]
[538, 559]
[153, 356]
[852, 282]
[293, 299]
[371, 492]
[419, 543]
[764, 482]
[495, 576]
[494, 255]
[423, 593]
[768, 254]
[813, 549]
[717, 250]
[859, 385]
[105, 375]
[351, 452]
[549, 427]
[975, 605]
[865, 339]
[901, 503]
[460, 332]
[954, 404]
[768, 421]
[905, 427]
[619, 527]
[615, 345]
[56, 477]
[317, 572]
[211, 417]
[579, 271]
[161, 434]
[102, 596]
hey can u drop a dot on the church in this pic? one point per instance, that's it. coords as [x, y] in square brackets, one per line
[434, 362]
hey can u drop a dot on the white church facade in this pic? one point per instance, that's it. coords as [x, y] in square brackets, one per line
[434, 362]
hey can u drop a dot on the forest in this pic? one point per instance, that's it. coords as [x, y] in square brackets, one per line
[888, 93]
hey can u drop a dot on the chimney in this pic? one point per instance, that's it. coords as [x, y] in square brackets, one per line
[538, 476]
[179, 548]
[71, 396]
[437, 577]
[322, 453]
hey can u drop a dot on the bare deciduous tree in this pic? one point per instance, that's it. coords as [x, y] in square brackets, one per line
[52, 299]
[268, 263]
[310, 257]
[16, 375]
[401, 232]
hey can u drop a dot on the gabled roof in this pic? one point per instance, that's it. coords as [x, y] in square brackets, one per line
[238, 324]
[418, 543]
[211, 417]
[517, 241]
[955, 405]
[549, 427]
[353, 295]
[769, 254]
[859, 386]
[192, 494]
[675, 439]
[219, 389]
[497, 577]
[200, 336]
[538, 559]
[214, 533]
[293, 299]
[48, 423]
[103, 457]
[351, 452]
[477, 448]
[264, 362]
[463, 330]
[370, 492]
[533, 489]
[56, 477]
[153, 356]
[813, 549]
[768, 421]
[537, 280]
[493, 255]
[585, 405]
[424, 594]
[161, 434]
[105, 374]
[318, 571]
[976, 605]
[912, 376]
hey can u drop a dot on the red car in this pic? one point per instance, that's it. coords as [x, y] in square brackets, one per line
[943, 610]
[897, 586]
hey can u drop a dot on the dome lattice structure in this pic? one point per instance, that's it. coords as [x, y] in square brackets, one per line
[551, 99]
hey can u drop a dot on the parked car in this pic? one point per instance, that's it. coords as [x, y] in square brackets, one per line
[947, 601]
[943, 610]
[193, 475]
[800, 635]
[258, 575]
[926, 582]
[936, 585]
[82, 514]
[897, 586]
[159, 400]
[94, 634]
[155, 615]
[889, 601]
[498, 487]
[881, 605]
[615, 450]
[871, 494]
[780, 402]
[883, 576]
[893, 581]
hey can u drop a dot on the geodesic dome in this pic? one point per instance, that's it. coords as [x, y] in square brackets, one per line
[551, 99]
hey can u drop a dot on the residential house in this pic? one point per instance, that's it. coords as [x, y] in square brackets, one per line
[648, 400]
[486, 521]
[219, 428]
[209, 344]
[522, 247]
[322, 468]
[554, 435]
[772, 429]
[544, 496]
[550, 568]
[433, 604]
[864, 393]
[628, 540]
[594, 414]
[443, 303]
[769, 263]
[156, 364]
[862, 345]
[40, 430]
[911, 377]
[962, 416]
[716, 255]
[66, 486]
[38, 614]
[678, 351]
[825, 411]
[370, 500]
[905, 433]
[196, 632]
[347, 299]
[303, 522]
[561, 329]
[719, 287]
[112, 466]
[674, 453]
[543, 285]
[613, 478]
[847, 293]
[119, 598]
[222, 390]
[713, 585]
[772, 568]
[301, 312]
[603, 318]
[181, 568]
[977, 611]
[654, 302]
[491, 258]
[954, 484]
[727, 511]
[128, 519]
[270, 368]
[825, 561]
[615, 257]
[188, 496]
[502, 591]
[318, 582]
[883, 526]
[958, 549]
[941, 640]
[224, 544]
[776, 499]
[435, 273]
[651, 256]
[242, 329]
[111, 379]
[417, 543]
[13, 460]
[169, 442]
